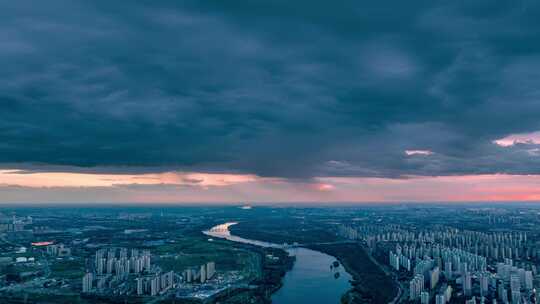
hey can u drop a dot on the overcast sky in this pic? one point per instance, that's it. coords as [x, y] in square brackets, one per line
[220, 101]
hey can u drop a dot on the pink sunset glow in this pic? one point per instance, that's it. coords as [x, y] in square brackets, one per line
[191, 187]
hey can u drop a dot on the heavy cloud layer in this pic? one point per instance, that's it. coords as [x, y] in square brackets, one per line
[292, 89]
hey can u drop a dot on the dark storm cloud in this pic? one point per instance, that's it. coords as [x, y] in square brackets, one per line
[282, 88]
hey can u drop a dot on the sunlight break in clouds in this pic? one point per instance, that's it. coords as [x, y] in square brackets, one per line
[418, 152]
[523, 138]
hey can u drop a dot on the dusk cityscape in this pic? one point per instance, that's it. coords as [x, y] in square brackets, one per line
[269, 152]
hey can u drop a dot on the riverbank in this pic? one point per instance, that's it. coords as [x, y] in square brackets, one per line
[272, 266]
[311, 280]
[285, 231]
[370, 284]
[275, 264]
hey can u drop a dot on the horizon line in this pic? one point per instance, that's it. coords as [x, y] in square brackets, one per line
[258, 204]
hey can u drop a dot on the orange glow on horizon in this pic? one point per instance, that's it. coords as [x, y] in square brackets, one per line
[195, 187]
[70, 179]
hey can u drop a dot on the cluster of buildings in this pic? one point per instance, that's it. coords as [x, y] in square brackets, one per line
[151, 284]
[155, 284]
[118, 271]
[107, 261]
[512, 281]
[58, 250]
[446, 263]
[13, 223]
[496, 245]
[113, 267]
[202, 274]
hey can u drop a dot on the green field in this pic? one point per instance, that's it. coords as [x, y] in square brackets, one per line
[193, 252]
[67, 269]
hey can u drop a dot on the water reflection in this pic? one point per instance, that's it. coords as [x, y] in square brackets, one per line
[312, 279]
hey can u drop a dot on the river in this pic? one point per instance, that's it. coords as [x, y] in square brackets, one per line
[311, 281]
